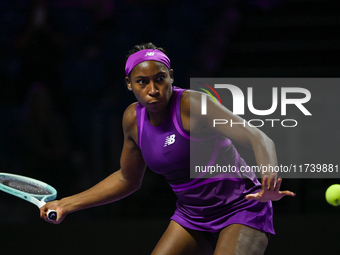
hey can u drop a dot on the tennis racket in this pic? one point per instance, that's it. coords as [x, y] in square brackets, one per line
[31, 190]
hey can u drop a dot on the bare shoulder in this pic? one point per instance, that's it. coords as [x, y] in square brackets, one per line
[191, 102]
[190, 111]
[130, 121]
[130, 113]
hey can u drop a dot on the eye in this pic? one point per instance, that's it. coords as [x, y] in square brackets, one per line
[141, 81]
[160, 78]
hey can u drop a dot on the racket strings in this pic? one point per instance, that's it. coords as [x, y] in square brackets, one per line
[24, 186]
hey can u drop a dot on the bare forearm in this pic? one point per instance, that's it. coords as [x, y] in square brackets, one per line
[111, 189]
[265, 154]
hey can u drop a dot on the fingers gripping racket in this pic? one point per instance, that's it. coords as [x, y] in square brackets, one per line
[31, 190]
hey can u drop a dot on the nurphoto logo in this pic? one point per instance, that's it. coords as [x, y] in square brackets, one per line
[301, 97]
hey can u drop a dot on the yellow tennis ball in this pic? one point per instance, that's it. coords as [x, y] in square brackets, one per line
[333, 194]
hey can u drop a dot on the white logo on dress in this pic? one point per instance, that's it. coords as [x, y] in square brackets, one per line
[169, 140]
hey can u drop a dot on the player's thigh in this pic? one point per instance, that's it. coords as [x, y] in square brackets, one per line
[238, 239]
[178, 240]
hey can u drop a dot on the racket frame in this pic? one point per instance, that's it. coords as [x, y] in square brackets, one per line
[38, 200]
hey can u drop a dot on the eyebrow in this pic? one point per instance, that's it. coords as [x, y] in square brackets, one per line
[141, 76]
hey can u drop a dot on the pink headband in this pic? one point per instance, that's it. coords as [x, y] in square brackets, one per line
[145, 55]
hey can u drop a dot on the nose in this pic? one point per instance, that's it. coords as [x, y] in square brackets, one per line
[153, 90]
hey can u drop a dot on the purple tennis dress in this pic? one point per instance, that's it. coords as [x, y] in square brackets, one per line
[203, 204]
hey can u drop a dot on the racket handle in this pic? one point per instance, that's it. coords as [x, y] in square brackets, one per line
[52, 215]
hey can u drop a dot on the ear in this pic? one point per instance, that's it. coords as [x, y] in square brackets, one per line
[171, 72]
[128, 83]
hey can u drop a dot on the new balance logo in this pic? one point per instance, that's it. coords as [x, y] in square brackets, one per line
[169, 140]
[149, 54]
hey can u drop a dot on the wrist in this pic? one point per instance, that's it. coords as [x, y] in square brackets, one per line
[68, 205]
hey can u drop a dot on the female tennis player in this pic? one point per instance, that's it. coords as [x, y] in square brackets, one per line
[214, 215]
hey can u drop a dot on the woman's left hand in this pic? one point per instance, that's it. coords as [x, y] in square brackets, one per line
[270, 190]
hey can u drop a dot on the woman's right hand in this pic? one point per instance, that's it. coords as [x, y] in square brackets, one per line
[56, 206]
